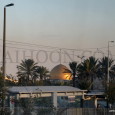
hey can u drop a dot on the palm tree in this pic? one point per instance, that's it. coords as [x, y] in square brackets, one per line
[104, 68]
[112, 72]
[1, 78]
[88, 69]
[1, 83]
[42, 71]
[104, 72]
[110, 92]
[26, 71]
[73, 66]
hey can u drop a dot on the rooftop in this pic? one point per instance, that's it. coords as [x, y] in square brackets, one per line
[35, 89]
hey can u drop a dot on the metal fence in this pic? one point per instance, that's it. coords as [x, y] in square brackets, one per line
[59, 111]
[87, 111]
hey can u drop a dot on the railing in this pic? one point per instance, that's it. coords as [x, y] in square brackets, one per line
[58, 111]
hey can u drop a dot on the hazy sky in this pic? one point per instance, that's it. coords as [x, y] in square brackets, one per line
[73, 24]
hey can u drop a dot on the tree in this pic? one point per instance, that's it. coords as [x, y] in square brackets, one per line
[88, 70]
[110, 92]
[2, 92]
[2, 96]
[26, 71]
[104, 67]
[1, 79]
[42, 71]
[73, 66]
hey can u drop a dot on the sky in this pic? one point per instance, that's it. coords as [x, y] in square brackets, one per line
[70, 24]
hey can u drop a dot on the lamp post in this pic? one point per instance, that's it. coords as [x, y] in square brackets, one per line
[4, 49]
[108, 64]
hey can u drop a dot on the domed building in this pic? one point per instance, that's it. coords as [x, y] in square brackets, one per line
[60, 72]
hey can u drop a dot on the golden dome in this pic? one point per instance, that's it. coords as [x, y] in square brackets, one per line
[60, 72]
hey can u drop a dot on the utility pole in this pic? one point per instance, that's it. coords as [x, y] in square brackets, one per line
[4, 54]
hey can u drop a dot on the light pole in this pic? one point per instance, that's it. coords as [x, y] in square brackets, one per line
[4, 49]
[108, 64]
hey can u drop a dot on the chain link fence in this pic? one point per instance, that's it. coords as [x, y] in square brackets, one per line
[58, 111]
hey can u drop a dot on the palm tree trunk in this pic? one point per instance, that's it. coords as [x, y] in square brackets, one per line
[92, 82]
[73, 79]
[41, 77]
[27, 80]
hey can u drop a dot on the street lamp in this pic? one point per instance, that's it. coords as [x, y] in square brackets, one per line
[4, 46]
[108, 64]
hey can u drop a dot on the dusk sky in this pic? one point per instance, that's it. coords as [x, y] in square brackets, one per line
[71, 24]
